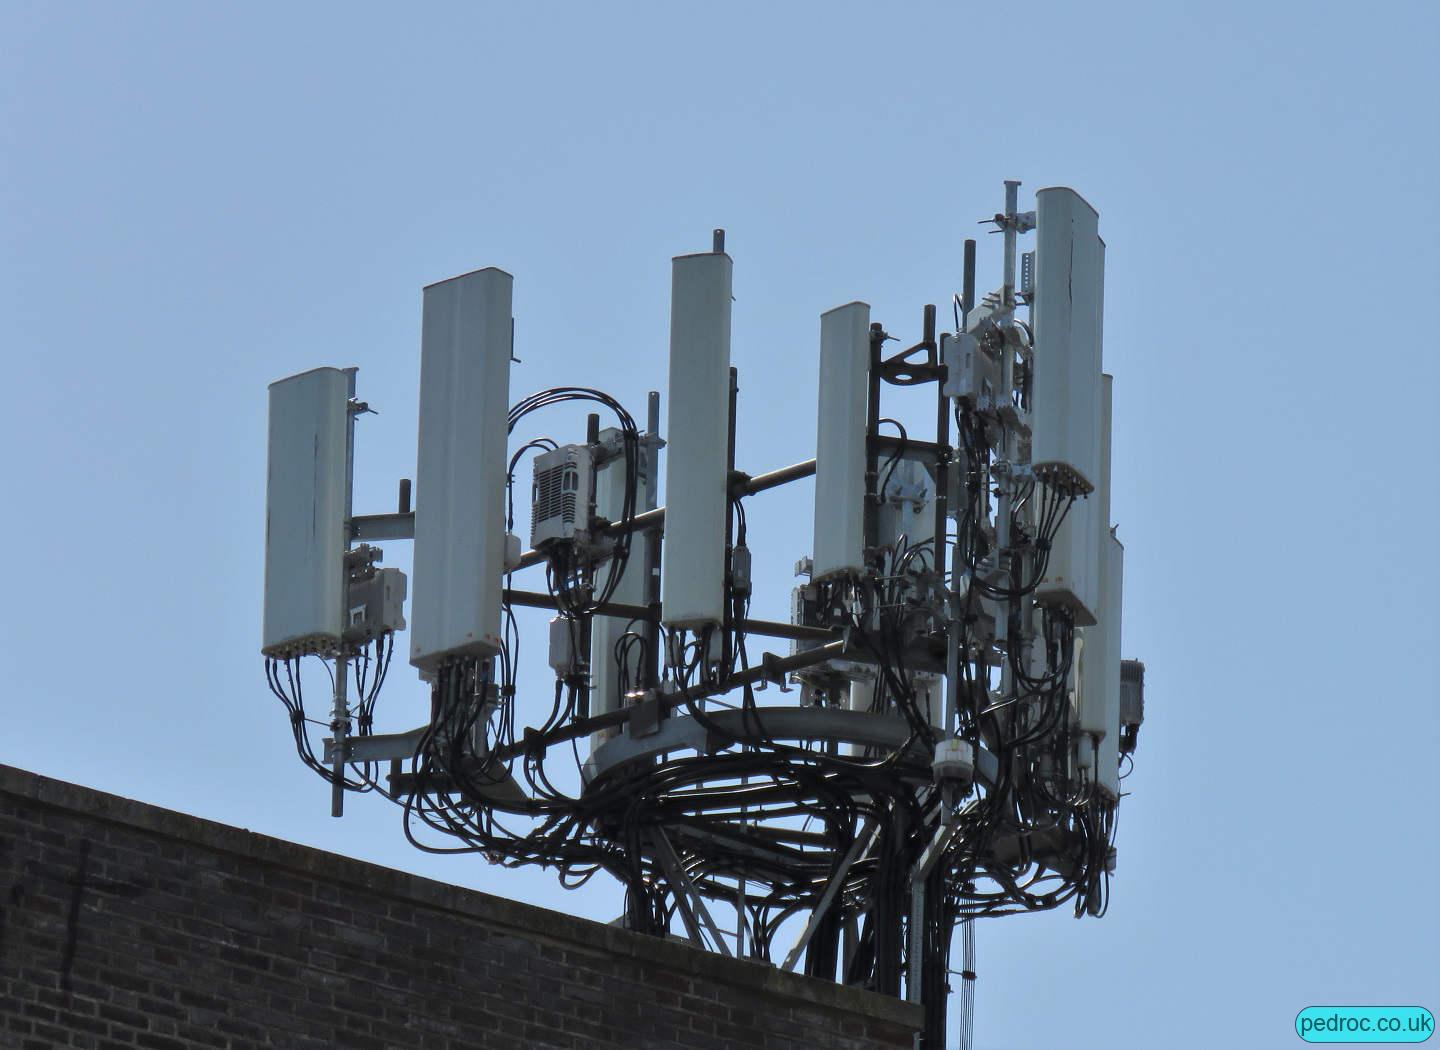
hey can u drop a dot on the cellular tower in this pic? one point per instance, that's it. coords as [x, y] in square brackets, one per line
[936, 733]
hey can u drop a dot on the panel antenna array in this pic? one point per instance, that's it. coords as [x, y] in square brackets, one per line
[942, 738]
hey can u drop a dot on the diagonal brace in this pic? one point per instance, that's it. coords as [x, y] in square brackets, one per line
[832, 890]
[688, 897]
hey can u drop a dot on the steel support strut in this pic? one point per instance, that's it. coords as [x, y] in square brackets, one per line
[687, 897]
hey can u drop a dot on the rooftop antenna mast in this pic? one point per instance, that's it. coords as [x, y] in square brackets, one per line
[937, 731]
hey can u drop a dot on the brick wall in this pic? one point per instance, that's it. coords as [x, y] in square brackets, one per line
[127, 926]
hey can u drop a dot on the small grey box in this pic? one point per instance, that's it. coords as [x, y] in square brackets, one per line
[375, 605]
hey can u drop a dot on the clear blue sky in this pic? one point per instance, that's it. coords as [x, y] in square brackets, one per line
[196, 200]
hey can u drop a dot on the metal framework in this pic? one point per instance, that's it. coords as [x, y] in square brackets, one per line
[940, 740]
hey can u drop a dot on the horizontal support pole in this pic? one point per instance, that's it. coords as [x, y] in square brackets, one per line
[797, 632]
[537, 600]
[741, 484]
[889, 445]
[399, 526]
[378, 747]
[767, 628]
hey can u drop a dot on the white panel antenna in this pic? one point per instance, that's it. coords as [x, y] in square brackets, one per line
[1069, 290]
[1099, 715]
[1065, 400]
[307, 511]
[1073, 573]
[697, 439]
[840, 441]
[465, 349]
[1109, 556]
[1107, 770]
[607, 631]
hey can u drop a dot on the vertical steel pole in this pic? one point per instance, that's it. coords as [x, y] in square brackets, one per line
[339, 726]
[339, 712]
[1007, 389]
[967, 293]
[652, 541]
[943, 457]
[1012, 200]
[727, 626]
[954, 656]
[872, 455]
[585, 673]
